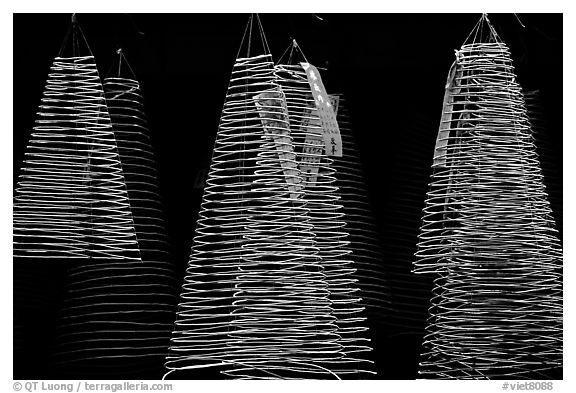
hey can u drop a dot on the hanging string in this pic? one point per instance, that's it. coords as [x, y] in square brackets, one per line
[479, 31]
[493, 32]
[263, 36]
[81, 34]
[293, 47]
[519, 21]
[297, 47]
[473, 31]
[119, 52]
[76, 32]
[247, 31]
[122, 57]
[291, 52]
[289, 47]
[250, 36]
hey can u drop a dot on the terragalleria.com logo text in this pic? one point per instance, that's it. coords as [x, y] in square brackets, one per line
[92, 386]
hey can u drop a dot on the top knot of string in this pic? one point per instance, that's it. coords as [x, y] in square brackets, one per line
[293, 47]
[74, 41]
[483, 32]
[248, 33]
[117, 65]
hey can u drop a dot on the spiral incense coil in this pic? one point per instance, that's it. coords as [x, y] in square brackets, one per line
[327, 218]
[118, 317]
[126, 108]
[364, 237]
[487, 232]
[254, 303]
[71, 199]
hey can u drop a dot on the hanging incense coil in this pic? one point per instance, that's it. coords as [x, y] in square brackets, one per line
[118, 316]
[487, 231]
[71, 205]
[255, 299]
[327, 218]
[71, 199]
[126, 108]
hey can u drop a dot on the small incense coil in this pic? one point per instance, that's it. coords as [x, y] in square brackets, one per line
[126, 107]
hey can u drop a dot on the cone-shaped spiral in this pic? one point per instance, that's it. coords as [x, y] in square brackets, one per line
[71, 204]
[255, 302]
[118, 316]
[487, 231]
[71, 199]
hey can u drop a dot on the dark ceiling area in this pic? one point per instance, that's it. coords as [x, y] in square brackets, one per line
[391, 68]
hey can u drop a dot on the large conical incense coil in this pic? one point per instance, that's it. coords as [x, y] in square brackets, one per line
[255, 299]
[71, 203]
[487, 231]
[71, 199]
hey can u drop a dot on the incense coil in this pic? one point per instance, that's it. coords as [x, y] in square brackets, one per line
[491, 126]
[488, 234]
[118, 317]
[126, 107]
[71, 200]
[327, 218]
[255, 300]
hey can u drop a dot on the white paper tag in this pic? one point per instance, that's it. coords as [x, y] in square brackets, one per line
[330, 130]
[273, 113]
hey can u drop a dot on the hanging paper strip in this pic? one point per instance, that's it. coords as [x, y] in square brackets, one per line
[314, 143]
[330, 130]
[274, 116]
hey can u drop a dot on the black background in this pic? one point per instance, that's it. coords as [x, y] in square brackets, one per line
[391, 68]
